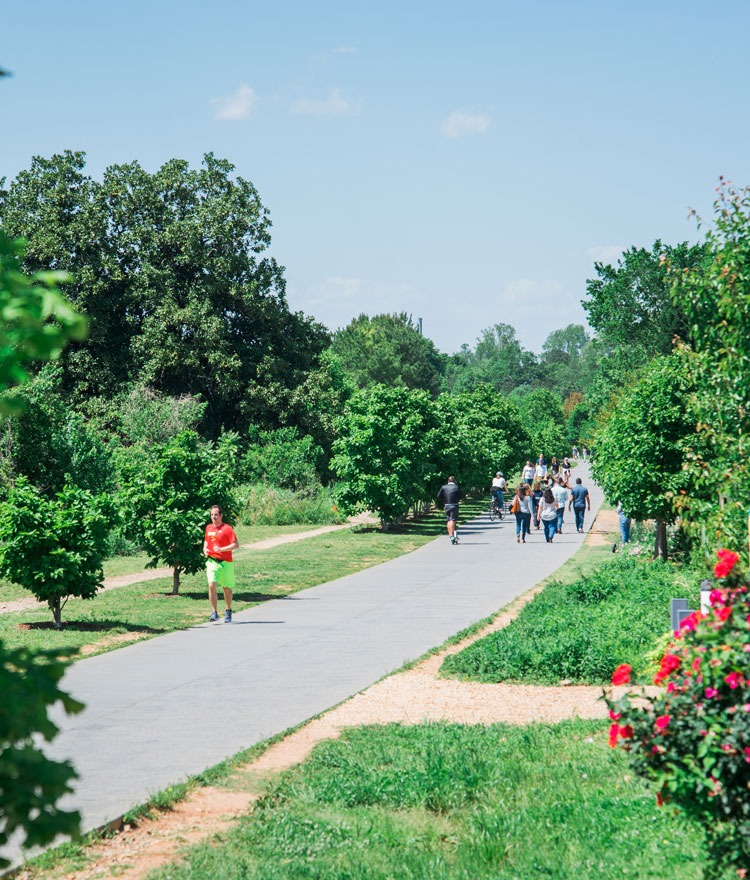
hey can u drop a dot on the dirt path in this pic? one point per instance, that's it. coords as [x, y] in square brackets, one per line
[411, 697]
[153, 574]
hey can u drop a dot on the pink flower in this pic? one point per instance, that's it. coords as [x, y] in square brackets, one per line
[723, 613]
[697, 663]
[690, 622]
[615, 716]
[662, 722]
[734, 680]
[711, 693]
[717, 597]
[746, 750]
[621, 675]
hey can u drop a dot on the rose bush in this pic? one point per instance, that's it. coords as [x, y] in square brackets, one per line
[691, 738]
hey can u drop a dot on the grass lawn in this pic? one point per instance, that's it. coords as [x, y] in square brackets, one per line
[599, 614]
[148, 609]
[449, 801]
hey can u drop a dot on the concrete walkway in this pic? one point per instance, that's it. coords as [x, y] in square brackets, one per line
[159, 711]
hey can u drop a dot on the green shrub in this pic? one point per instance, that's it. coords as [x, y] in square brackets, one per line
[262, 504]
[283, 458]
[691, 739]
[580, 631]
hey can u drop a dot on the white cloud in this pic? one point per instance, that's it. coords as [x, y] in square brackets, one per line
[236, 106]
[608, 254]
[464, 124]
[334, 105]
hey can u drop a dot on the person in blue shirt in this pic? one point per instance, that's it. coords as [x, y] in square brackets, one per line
[579, 502]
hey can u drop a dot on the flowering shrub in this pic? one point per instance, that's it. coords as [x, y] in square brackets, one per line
[692, 738]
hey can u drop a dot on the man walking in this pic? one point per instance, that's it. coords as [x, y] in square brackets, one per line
[580, 502]
[218, 544]
[449, 496]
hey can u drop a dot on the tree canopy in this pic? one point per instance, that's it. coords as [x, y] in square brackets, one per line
[169, 269]
[390, 350]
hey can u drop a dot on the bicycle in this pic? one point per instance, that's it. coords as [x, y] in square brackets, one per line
[496, 510]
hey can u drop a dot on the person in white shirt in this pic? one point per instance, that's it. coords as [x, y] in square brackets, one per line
[560, 494]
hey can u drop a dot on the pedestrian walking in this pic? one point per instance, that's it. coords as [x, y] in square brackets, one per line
[218, 543]
[548, 514]
[522, 503]
[579, 502]
[449, 496]
[560, 494]
[624, 521]
[527, 475]
[536, 495]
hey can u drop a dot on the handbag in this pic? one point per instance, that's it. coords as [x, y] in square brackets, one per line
[515, 506]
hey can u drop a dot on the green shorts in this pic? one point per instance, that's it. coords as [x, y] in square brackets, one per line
[221, 573]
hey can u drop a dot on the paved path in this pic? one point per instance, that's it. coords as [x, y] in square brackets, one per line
[161, 710]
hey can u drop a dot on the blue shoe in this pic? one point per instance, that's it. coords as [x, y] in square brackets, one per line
[213, 618]
[227, 616]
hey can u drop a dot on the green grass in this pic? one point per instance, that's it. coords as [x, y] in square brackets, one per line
[444, 802]
[148, 609]
[579, 630]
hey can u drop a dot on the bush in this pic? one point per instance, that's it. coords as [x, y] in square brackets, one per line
[692, 738]
[261, 504]
[574, 631]
[283, 458]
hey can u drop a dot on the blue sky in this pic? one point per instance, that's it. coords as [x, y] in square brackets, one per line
[464, 163]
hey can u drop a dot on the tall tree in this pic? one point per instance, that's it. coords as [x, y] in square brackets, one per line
[170, 270]
[389, 349]
[630, 308]
[644, 443]
[498, 360]
[715, 297]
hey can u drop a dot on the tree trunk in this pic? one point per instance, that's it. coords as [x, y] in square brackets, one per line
[660, 540]
[175, 581]
[56, 609]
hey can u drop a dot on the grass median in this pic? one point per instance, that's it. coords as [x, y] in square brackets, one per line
[451, 801]
[146, 609]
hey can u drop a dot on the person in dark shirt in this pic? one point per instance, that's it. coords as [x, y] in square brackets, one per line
[579, 502]
[449, 496]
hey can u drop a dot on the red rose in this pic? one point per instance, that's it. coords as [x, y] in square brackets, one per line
[662, 722]
[621, 675]
[727, 561]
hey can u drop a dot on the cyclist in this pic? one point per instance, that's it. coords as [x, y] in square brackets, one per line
[498, 488]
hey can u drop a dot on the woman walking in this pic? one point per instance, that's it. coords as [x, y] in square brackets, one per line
[548, 515]
[522, 512]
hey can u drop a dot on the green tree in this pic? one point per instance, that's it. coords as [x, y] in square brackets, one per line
[642, 447]
[35, 323]
[715, 296]
[498, 360]
[630, 308]
[481, 433]
[568, 361]
[35, 319]
[48, 442]
[389, 349]
[54, 547]
[282, 458]
[169, 268]
[383, 451]
[166, 493]
[30, 783]
[542, 415]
